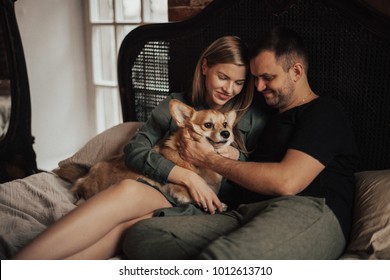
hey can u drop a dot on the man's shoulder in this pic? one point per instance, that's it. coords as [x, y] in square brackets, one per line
[326, 110]
[327, 101]
[326, 105]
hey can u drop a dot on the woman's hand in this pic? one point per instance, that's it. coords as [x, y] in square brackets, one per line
[199, 190]
[203, 195]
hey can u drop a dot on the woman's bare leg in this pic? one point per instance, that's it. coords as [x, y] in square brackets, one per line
[109, 245]
[94, 219]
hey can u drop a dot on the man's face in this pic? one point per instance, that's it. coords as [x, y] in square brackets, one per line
[272, 81]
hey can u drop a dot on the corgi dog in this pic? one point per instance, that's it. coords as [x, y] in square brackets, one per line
[213, 125]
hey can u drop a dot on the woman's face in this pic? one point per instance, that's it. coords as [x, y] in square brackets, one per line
[223, 82]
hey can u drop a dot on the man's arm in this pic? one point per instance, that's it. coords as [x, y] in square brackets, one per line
[288, 177]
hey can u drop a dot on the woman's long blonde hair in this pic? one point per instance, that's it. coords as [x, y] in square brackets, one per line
[226, 50]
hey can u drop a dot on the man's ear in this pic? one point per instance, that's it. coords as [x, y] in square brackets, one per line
[297, 71]
[180, 112]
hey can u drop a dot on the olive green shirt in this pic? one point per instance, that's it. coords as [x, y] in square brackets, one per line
[139, 152]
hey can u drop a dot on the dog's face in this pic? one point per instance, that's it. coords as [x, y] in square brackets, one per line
[215, 126]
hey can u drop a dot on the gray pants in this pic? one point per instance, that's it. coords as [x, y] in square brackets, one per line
[290, 227]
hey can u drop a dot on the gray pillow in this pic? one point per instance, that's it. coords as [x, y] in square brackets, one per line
[103, 146]
[370, 236]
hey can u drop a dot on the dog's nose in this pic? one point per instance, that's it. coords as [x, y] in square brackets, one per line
[225, 134]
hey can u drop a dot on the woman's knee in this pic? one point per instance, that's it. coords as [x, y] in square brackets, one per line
[127, 187]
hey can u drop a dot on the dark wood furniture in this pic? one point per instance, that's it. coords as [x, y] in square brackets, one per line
[17, 156]
[349, 45]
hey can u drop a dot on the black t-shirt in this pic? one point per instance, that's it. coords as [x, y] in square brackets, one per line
[322, 130]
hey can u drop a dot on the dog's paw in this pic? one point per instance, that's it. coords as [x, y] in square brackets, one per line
[83, 189]
[181, 199]
[71, 173]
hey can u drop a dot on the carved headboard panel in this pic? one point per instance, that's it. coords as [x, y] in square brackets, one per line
[349, 47]
[17, 156]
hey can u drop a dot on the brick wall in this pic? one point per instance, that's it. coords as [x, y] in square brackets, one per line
[183, 9]
[383, 6]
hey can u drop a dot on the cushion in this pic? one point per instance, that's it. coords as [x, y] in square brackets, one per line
[370, 237]
[103, 146]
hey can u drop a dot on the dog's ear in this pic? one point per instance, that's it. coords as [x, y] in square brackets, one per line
[180, 112]
[231, 117]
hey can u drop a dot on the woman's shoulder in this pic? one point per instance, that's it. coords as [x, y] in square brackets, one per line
[255, 116]
[163, 106]
[182, 96]
[258, 110]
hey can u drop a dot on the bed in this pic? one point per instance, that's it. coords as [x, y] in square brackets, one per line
[349, 46]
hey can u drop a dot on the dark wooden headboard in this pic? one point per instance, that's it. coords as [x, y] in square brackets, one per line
[349, 46]
[17, 156]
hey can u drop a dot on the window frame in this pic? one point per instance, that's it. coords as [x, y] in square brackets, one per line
[104, 116]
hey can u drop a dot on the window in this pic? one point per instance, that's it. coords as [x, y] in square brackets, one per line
[108, 23]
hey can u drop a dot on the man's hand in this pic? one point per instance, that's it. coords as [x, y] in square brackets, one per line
[228, 152]
[195, 149]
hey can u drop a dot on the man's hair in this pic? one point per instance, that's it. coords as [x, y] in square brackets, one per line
[286, 44]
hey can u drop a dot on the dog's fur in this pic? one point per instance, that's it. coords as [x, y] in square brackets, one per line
[215, 126]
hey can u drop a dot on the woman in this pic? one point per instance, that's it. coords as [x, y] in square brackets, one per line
[94, 230]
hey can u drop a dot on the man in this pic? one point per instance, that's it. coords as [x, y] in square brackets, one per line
[295, 196]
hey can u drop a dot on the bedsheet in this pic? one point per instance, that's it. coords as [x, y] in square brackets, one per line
[30, 205]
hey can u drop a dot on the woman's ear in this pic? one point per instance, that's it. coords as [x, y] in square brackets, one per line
[204, 66]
